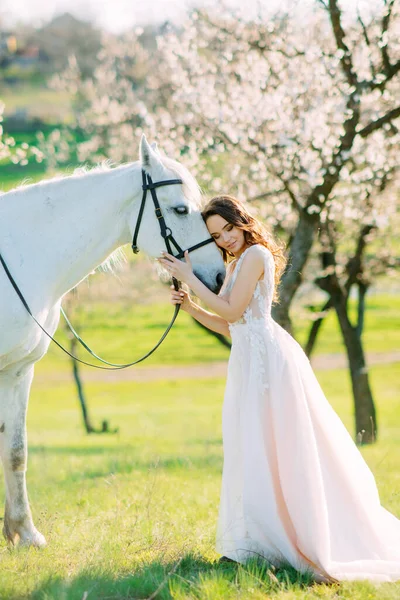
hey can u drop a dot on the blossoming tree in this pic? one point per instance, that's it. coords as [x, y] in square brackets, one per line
[297, 115]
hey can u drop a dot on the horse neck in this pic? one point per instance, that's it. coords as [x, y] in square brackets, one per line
[84, 221]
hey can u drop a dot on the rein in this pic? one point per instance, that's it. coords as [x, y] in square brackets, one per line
[166, 234]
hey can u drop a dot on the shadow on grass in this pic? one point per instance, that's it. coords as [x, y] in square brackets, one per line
[189, 576]
[122, 460]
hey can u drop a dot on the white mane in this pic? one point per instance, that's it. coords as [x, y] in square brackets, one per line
[118, 258]
[78, 172]
[189, 182]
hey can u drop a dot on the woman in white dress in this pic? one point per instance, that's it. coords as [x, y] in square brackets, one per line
[295, 487]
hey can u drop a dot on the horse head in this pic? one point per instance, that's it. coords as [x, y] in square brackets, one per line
[180, 205]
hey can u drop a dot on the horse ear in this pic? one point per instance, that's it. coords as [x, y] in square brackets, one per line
[148, 156]
[154, 147]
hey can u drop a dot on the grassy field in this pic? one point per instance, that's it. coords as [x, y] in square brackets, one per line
[38, 101]
[122, 331]
[126, 515]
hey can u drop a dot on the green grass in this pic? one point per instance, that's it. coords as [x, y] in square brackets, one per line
[38, 101]
[121, 332]
[381, 329]
[126, 513]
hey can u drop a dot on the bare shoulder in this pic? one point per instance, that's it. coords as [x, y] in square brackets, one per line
[260, 251]
[258, 260]
[256, 253]
[254, 259]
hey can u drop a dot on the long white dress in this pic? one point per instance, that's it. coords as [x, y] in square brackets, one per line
[295, 488]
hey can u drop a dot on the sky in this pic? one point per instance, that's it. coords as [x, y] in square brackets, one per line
[114, 15]
[119, 15]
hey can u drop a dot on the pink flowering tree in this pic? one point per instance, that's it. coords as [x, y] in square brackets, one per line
[310, 123]
[299, 118]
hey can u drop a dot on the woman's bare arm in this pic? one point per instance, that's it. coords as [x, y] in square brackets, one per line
[233, 308]
[209, 320]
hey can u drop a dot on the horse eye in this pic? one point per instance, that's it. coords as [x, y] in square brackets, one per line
[181, 210]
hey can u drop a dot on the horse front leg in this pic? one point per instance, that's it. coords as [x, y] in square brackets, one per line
[14, 395]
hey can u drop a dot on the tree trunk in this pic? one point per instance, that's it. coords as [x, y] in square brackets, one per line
[300, 247]
[81, 394]
[75, 369]
[362, 290]
[366, 424]
[315, 328]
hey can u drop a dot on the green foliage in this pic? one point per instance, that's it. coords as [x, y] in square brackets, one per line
[128, 514]
[13, 175]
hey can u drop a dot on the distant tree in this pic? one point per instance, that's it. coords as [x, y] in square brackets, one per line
[63, 36]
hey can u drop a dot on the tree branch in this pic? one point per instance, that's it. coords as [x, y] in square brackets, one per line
[377, 124]
[380, 81]
[382, 42]
[387, 70]
[265, 195]
[338, 31]
[367, 42]
[295, 202]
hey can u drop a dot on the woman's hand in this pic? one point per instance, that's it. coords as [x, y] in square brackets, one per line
[180, 297]
[176, 268]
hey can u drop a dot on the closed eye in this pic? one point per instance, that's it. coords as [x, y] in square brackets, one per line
[181, 210]
[227, 227]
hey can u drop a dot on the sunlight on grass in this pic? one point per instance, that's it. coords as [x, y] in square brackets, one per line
[121, 332]
[127, 513]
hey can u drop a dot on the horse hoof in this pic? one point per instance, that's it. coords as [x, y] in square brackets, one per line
[34, 538]
[26, 539]
[225, 559]
[11, 539]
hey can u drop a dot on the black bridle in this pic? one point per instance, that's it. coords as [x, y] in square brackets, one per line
[166, 233]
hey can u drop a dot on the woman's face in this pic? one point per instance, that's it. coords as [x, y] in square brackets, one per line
[227, 236]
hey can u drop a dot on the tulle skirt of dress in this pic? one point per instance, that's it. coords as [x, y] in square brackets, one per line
[295, 487]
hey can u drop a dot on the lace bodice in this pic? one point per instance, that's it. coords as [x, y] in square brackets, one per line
[261, 301]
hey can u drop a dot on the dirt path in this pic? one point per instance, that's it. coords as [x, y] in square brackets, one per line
[210, 370]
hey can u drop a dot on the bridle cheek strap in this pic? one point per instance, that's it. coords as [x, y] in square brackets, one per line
[166, 233]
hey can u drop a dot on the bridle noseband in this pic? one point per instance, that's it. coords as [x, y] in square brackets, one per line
[166, 233]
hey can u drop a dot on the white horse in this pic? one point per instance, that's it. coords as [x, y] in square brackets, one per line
[52, 234]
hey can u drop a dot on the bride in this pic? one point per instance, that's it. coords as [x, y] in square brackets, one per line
[295, 488]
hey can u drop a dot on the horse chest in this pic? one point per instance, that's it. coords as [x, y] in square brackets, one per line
[25, 342]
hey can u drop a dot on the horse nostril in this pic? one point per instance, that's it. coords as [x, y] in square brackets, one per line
[220, 280]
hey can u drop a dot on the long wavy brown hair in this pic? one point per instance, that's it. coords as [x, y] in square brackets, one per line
[235, 212]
